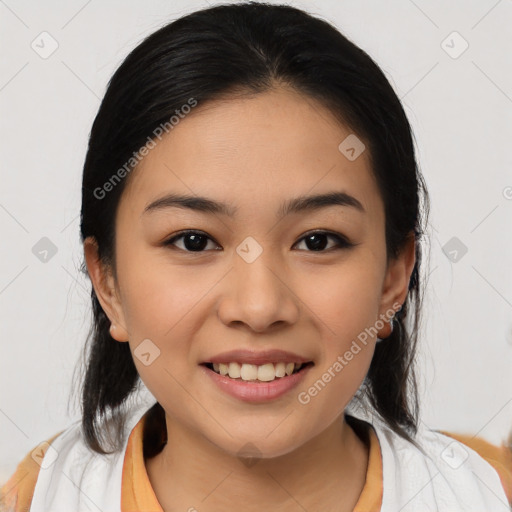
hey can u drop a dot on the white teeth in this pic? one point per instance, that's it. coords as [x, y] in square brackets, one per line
[264, 373]
[248, 372]
[234, 370]
[280, 370]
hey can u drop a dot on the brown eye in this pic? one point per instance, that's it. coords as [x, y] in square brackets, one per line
[318, 240]
[193, 241]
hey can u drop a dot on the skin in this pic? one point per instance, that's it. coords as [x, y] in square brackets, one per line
[192, 305]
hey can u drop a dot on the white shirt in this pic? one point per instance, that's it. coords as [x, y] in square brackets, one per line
[448, 477]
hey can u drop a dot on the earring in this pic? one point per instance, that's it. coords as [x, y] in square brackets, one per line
[391, 325]
[112, 327]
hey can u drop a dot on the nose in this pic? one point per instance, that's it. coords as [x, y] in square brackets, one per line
[258, 295]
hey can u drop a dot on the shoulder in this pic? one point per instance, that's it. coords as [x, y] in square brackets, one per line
[16, 494]
[499, 457]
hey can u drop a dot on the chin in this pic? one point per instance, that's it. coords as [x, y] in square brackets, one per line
[260, 444]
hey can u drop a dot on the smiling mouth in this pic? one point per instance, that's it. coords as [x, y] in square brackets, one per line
[257, 373]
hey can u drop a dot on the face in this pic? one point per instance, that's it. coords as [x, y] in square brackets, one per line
[257, 277]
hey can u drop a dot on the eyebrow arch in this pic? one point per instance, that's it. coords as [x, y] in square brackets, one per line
[296, 205]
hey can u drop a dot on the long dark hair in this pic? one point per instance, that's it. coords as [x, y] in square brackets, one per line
[242, 48]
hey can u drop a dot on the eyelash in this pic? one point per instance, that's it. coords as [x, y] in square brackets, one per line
[342, 242]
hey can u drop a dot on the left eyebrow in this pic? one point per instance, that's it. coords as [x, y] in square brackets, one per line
[301, 204]
[316, 202]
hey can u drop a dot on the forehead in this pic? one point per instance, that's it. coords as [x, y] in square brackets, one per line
[252, 150]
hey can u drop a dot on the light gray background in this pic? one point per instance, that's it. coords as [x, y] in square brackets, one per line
[461, 112]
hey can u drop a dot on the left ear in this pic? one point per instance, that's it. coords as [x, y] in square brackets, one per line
[398, 275]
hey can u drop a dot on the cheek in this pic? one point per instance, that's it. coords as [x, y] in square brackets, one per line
[345, 304]
[156, 305]
[157, 296]
[345, 300]
[337, 378]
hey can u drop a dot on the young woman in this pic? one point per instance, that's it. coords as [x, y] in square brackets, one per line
[252, 216]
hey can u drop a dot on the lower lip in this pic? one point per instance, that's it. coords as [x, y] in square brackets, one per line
[250, 391]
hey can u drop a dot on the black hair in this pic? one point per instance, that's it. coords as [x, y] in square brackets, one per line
[216, 53]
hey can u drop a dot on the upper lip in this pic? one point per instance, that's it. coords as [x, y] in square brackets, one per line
[257, 357]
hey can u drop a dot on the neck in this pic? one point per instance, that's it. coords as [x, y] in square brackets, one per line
[191, 470]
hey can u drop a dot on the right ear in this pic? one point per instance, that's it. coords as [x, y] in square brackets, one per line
[104, 285]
